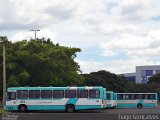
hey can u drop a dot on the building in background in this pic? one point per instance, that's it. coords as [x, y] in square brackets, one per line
[142, 73]
[131, 77]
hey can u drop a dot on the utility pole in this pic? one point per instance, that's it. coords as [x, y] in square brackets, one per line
[35, 33]
[3, 38]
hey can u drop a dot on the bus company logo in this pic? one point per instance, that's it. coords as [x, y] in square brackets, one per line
[9, 117]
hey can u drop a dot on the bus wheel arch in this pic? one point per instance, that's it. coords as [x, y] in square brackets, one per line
[139, 106]
[22, 108]
[70, 108]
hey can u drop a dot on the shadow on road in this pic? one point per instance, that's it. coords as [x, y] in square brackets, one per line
[50, 111]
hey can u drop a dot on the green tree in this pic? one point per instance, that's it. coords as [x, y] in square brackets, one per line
[155, 79]
[106, 79]
[12, 81]
[41, 63]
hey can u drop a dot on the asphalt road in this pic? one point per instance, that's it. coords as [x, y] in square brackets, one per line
[108, 114]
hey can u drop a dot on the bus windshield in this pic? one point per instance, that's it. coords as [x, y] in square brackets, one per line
[11, 95]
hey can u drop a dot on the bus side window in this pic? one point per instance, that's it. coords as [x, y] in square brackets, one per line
[94, 94]
[22, 94]
[119, 96]
[146, 96]
[46, 93]
[132, 97]
[58, 93]
[152, 96]
[126, 97]
[139, 96]
[35, 94]
[82, 93]
[70, 93]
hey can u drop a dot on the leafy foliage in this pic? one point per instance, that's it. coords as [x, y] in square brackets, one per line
[40, 63]
[155, 79]
[118, 83]
[143, 88]
[106, 79]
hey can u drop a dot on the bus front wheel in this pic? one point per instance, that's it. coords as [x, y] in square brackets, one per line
[22, 108]
[139, 106]
[70, 108]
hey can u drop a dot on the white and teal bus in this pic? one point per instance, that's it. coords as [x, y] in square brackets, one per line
[136, 100]
[111, 99]
[55, 98]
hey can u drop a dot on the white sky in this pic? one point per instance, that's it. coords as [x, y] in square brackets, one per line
[114, 35]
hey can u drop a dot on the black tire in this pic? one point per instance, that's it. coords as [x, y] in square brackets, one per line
[139, 106]
[113, 106]
[22, 108]
[70, 108]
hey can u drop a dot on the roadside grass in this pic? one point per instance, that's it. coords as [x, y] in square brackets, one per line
[1, 108]
[158, 102]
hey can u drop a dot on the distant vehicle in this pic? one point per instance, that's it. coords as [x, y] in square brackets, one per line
[69, 99]
[139, 100]
[111, 99]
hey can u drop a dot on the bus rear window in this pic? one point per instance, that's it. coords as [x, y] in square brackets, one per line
[108, 96]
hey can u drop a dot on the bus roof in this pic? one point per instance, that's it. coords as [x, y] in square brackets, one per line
[55, 88]
[109, 91]
[136, 93]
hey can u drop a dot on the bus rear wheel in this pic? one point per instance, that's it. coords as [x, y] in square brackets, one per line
[22, 108]
[139, 106]
[70, 108]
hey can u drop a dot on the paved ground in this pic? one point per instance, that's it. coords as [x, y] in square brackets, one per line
[135, 111]
[109, 114]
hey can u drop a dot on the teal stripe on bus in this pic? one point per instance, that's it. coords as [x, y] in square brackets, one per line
[11, 107]
[72, 101]
[125, 105]
[84, 107]
[46, 107]
[54, 107]
[131, 105]
[140, 101]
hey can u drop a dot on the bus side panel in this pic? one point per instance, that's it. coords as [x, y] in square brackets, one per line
[11, 107]
[87, 107]
[133, 103]
[40, 104]
[46, 107]
[85, 103]
[149, 103]
[127, 103]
